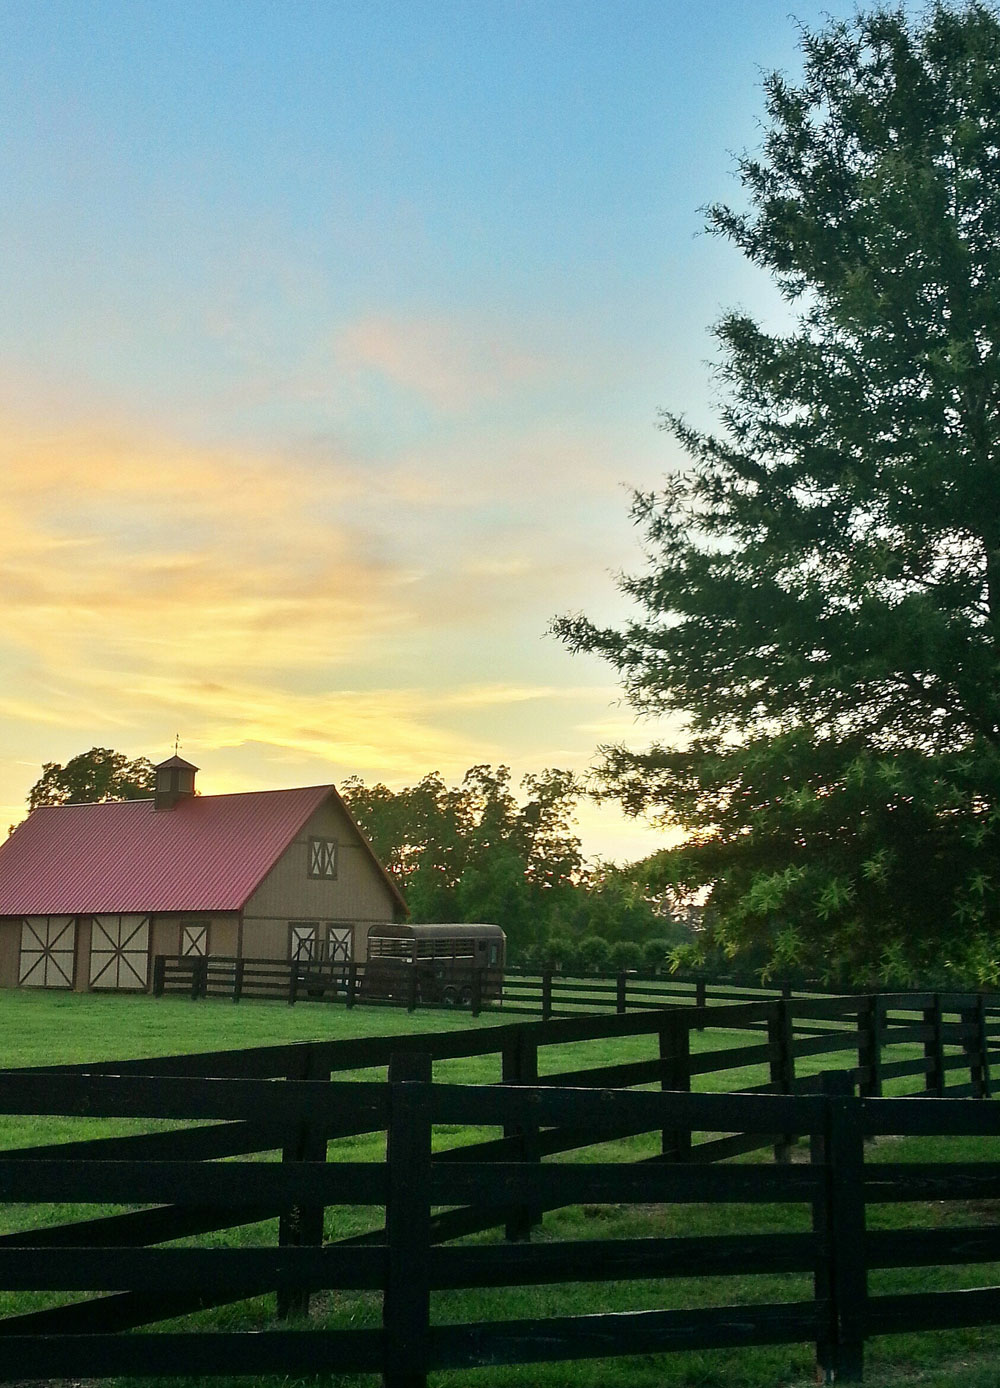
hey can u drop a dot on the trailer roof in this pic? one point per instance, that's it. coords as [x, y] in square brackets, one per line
[400, 930]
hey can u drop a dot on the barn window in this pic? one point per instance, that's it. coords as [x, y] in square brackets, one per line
[339, 942]
[194, 937]
[322, 858]
[302, 940]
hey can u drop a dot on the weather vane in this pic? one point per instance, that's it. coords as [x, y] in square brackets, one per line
[177, 744]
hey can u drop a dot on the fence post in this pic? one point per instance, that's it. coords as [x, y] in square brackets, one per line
[238, 979]
[412, 990]
[406, 1299]
[781, 1041]
[477, 992]
[839, 1232]
[675, 1074]
[977, 1048]
[293, 982]
[520, 1066]
[302, 1224]
[621, 994]
[159, 975]
[546, 994]
[934, 1049]
[199, 977]
[352, 984]
[700, 996]
[871, 1039]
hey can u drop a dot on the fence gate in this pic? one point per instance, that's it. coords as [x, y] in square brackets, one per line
[119, 952]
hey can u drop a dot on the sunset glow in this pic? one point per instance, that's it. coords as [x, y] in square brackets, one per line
[333, 338]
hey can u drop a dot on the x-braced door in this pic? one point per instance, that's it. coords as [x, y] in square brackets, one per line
[48, 951]
[119, 952]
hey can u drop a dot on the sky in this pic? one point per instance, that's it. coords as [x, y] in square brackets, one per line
[333, 338]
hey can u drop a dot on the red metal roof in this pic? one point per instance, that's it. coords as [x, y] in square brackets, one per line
[208, 853]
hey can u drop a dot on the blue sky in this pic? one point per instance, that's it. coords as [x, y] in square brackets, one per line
[332, 337]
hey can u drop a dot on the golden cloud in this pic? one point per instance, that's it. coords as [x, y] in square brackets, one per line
[284, 613]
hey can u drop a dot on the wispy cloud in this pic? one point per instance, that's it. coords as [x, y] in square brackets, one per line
[453, 365]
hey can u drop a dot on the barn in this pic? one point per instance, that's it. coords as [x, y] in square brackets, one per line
[89, 894]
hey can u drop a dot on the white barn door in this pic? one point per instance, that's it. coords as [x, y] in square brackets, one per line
[48, 951]
[119, 951]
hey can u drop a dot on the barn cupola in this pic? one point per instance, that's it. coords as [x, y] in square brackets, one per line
[174, 782]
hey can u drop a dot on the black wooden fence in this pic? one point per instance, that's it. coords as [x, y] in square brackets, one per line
[292, 981]
[956, 1035]
[406, 1263]
[548, 994]
[279, 1101]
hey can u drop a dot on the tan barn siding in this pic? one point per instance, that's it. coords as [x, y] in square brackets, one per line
[81, 977]
[358, 895]
[10, 950]
[224, 934]
[265, 937]
[163, 936]
[223, 931]
[361, 939]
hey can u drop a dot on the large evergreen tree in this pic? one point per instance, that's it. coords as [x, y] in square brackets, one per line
[820, 610]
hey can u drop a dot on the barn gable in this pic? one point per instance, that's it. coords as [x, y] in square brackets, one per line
[327, 872]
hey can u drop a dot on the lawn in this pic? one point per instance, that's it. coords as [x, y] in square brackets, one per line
[47, 1028]
[55, 1028]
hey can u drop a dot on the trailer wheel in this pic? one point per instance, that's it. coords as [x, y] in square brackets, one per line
[465, 997]
[450, 996]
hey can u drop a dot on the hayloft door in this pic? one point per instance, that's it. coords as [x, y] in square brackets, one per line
[48, 951]
[119, 952]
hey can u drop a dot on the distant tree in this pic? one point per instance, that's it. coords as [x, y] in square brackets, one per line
[97, 775]
[819, 613]
[618, 905]
[473, 852]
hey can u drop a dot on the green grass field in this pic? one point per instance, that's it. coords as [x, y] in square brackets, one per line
[47, 1028]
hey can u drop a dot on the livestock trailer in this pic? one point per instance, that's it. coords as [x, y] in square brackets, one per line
[445, 960]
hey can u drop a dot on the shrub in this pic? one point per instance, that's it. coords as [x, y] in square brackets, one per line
[655, 953]
[594, 954]
[560, 953]
[625, 954]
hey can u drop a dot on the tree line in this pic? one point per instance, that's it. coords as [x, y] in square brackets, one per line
[477, 852]
[471, 852]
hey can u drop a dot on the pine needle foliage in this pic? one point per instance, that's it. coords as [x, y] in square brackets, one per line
[820, 603]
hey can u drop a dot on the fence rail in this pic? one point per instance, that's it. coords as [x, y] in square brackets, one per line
[551, 1098]
[292, 981]
[406, 1260]
[549, 994]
